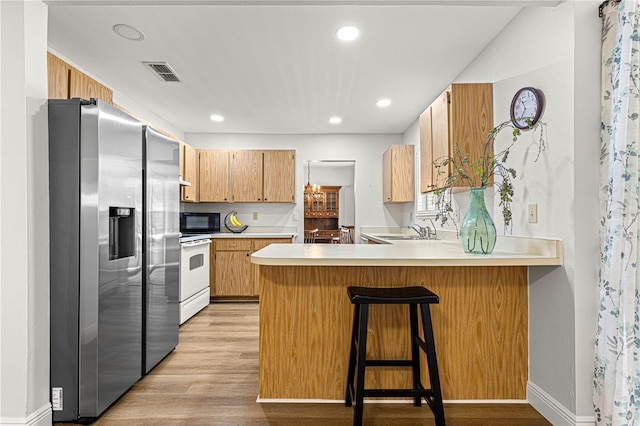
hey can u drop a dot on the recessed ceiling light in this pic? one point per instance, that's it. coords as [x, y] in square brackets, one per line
[217, 118]
[348, 33]
[335, 120]
[128, 32]
[383, 103]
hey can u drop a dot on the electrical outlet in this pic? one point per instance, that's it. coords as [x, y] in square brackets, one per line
[255, 215]
[533, 213]
[295, 216]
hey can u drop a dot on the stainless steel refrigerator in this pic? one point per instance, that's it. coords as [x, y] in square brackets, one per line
[161, 308]
[106, 331]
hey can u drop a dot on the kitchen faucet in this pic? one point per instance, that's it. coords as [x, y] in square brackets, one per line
[432, 235]
[428, 232]
[419, 229]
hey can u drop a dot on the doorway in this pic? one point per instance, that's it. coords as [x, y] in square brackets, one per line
[329, 198]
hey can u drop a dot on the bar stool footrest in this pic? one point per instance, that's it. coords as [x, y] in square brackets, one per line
[425, 393]
[388, 363]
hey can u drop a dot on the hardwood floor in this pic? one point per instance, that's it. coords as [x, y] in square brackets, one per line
[211, 378]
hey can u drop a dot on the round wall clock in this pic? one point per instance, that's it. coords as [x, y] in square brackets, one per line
[526, 107]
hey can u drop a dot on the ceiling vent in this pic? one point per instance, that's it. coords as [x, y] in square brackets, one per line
[162, 70]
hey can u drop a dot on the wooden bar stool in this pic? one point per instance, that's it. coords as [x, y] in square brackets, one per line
[362, 297]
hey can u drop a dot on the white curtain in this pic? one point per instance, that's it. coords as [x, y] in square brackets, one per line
[617, 361]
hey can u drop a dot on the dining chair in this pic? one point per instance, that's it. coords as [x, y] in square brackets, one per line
[310, 235]
[345, 236]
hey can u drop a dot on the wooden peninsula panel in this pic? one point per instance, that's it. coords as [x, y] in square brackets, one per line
[480, 329]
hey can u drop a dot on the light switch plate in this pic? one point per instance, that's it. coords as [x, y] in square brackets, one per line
[533, 213]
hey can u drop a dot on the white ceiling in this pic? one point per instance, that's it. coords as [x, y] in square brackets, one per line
[276, 66]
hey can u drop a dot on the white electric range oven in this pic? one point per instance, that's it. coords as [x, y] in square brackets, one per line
[194, 275]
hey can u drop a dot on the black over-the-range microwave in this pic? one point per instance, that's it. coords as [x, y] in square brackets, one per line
[199, 223]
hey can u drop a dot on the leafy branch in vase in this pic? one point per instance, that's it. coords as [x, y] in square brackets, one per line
[459, 170]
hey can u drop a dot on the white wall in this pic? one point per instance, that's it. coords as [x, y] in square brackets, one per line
[586, 128]
[411, 136]
[557, 51]
[24, 229]
[365, 150]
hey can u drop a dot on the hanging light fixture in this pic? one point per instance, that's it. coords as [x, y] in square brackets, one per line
[311, 192]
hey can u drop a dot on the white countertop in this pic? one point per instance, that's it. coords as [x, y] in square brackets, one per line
[240, 235]
[510, 251]
[255, 235]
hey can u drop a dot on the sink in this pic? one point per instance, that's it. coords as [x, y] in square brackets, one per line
[401, 237]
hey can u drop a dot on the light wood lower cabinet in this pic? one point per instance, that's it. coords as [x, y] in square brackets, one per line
[232, 268]
[232, 273]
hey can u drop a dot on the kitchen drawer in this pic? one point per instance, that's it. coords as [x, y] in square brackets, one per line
[260, 244]
[233, 244]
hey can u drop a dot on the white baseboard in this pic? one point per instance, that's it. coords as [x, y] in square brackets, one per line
[299, 401]
[388, 401]
[553, 411]
[42, 417]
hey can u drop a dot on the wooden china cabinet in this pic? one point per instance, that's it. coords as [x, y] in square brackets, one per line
[321, 211]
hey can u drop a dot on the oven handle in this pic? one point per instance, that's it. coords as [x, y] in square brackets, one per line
[195, 243]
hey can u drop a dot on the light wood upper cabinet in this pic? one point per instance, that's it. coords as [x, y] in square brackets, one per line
[66, 82]
[240, 176]
[82, 86]
[462, 115]
[398, 179]
[181, 158]
[246, 176]
[279, 176]
[434, 140]
[58, 77]
[190, 174]
[214, 170]
[263, 176]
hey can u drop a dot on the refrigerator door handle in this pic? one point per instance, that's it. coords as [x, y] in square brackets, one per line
[113, 238]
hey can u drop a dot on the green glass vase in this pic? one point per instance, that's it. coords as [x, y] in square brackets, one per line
[477, 231]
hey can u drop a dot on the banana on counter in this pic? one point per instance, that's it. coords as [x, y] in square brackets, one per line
[232, 223]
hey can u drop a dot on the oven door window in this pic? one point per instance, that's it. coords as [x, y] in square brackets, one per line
[196, 261]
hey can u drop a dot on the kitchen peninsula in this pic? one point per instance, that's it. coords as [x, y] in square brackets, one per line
[480, 324]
